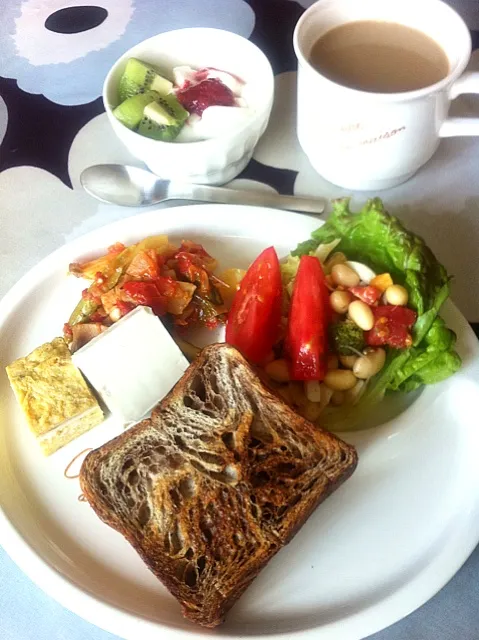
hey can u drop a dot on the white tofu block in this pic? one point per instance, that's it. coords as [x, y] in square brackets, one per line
[133, 364]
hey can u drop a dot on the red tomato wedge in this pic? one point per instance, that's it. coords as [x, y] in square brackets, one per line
[400, 315]
[391, 327]
[368, 294]
[255, 315]
[308, 319]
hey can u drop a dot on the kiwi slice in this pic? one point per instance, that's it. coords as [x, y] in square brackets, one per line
[130, 111]
[138, 77]
[163, 119]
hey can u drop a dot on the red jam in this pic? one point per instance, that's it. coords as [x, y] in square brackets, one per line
[208, 93]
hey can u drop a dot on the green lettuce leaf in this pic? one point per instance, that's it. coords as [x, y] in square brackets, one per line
[289, 269]
[432, 361]
[379, 240]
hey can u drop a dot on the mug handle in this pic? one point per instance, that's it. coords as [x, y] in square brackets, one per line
[467, 83]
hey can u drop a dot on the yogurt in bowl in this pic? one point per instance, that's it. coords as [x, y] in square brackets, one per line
[214, 146]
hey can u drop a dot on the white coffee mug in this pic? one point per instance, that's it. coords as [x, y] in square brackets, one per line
[372, 141]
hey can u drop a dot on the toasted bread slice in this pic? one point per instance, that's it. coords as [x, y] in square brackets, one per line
[220, 477]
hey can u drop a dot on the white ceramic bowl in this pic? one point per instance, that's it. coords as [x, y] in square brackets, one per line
[212, 161]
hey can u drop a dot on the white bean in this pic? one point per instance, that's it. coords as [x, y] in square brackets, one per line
[278, 370]
[361, 314]
[326, 394]
[368, 365]
[344, 276]
[312, 388]
[396, 295]
[312, 411]
[353, 395]
[348, 361]
[340, 301]
[364, 272]
[340, 379]
[335, 258]
[297, 394]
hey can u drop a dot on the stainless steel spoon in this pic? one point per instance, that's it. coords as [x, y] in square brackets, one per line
[133, 187]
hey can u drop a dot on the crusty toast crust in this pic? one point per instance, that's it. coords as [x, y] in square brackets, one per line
[211, 487]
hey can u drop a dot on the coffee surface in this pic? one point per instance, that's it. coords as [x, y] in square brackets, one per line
[379, 57]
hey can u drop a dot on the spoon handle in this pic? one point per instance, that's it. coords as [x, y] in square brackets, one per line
[204, 193]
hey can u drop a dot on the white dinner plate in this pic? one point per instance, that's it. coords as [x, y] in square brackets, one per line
[378, 548]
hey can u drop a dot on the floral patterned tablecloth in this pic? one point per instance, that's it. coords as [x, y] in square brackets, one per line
[54, 55]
